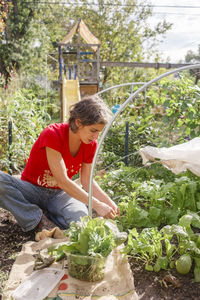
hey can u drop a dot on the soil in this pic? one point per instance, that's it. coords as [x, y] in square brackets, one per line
[149, 285]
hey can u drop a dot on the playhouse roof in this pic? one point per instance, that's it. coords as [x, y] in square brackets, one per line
[85, 33]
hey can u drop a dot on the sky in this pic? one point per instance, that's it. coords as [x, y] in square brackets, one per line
[185, 32]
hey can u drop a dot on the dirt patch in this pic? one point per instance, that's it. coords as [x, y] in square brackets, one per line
[11, 240]
[149, 285]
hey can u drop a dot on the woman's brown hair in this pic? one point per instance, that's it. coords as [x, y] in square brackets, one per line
[90, 110]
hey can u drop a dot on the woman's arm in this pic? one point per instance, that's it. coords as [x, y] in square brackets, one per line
[59, 172]
[97, 191]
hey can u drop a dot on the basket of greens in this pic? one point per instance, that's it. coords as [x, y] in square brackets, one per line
[86, 268]
[90, 243]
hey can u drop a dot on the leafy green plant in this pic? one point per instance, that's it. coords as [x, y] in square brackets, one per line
[171, 246]
[145, 246]
[168, 115]
[28, 115]
[146, 201]
[90, 242]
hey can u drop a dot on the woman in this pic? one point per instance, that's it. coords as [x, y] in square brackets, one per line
[46, 189]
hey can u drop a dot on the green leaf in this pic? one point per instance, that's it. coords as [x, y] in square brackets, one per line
[171, 215]
[197, 274]
[195, 219]
[197, 261]
[185, 220]
[154, 213]
[148, 267]
[161, 263]
[174, 229]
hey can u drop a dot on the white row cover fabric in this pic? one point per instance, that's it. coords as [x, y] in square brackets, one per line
[177, 158]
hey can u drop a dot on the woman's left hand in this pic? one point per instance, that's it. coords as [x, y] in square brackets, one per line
[113, 205]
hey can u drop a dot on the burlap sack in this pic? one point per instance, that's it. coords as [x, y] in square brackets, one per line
[118, 282]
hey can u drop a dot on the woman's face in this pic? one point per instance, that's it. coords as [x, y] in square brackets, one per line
[89, 133]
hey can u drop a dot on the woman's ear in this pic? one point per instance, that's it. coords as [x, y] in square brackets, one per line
[78, 123]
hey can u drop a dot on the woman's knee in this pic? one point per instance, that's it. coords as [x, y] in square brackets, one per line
[70, 214]
[78, 214]
[74, 217]
[5, 182]
[75, 211]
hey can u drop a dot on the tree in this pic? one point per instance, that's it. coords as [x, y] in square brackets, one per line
[16, 24]
[4, 10]
[26, 39]
[121, 28]
[192, 57]
[33, 29]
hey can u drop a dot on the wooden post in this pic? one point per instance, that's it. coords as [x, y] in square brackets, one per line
[126, 144]
[98, 64]
[78, 52]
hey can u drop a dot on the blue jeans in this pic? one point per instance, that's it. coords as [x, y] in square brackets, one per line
[27, 202]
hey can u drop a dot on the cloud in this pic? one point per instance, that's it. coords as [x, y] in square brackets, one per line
[185, 34]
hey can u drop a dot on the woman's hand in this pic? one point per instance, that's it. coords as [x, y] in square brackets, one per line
[112, 204]
[104, 210]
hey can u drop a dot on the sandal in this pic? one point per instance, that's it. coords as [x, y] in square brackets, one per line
[45, 223]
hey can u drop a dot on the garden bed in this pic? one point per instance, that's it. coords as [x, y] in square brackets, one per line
[149, 285]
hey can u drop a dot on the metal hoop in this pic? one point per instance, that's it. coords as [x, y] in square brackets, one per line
[115, 116]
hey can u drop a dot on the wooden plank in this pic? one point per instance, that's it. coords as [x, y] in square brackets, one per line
[88, 89]
[141, 65]
[98, 64]
[76, 45]
[61, 103]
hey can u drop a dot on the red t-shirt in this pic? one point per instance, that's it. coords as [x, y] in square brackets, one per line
[55, 136]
